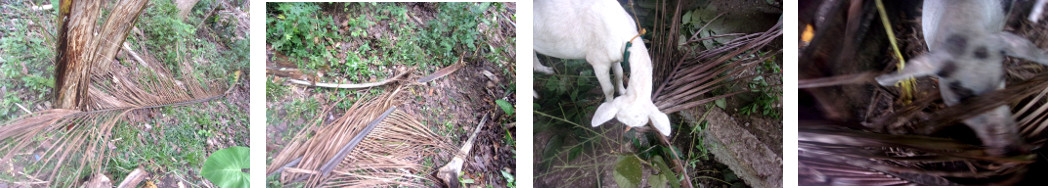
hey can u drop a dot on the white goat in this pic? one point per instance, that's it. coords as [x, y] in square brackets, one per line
[597, 30]
[967, 45]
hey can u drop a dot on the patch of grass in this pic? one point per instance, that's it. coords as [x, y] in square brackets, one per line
[698, 152]
[175, 42]
[454, 29]
[303, 108]
[299, 111]
[178, 148]
[564, 105]
[168, 36]
[274, 90]
[300, 30]
[236, 58]
[26, 74]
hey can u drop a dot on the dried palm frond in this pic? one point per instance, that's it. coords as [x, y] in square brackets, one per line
[831, 155]
[820, 171]
[696, 74]
[388, 155]
[683, 78]
[81, 137]
[92, 98]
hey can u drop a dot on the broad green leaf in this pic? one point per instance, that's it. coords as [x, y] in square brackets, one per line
[666, 174]
[721, 103]
[686, 18]
[551, 149]
[510, 179]
[730, 176]
[696, 18]
[506, 106]
[575, 151]
[628, 171]
[657, 181]
[228, 167]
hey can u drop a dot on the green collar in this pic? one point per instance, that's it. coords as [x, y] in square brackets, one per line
[626, 52]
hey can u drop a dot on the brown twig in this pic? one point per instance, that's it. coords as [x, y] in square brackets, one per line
[678, 165]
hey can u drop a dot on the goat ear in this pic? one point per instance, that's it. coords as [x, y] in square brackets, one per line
[605, 112]
[923, 65]
[1017, 46]
[661, 122]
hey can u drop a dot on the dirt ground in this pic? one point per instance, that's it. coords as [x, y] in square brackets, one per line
[459, 99]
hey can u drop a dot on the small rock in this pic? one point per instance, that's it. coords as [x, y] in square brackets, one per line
[490, 75]
[99, 181]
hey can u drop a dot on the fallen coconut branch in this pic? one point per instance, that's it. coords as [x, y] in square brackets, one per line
[439, 74]
[347, 86]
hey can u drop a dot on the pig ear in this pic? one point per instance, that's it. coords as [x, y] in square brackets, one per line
[661, 122]
[605, 112]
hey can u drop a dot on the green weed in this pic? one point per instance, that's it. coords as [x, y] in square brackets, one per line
[454, 28]
[767, 101]
[298, 31]
[169, 37]
[274, 90]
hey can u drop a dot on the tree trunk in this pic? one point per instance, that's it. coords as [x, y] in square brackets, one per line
[80, 49]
